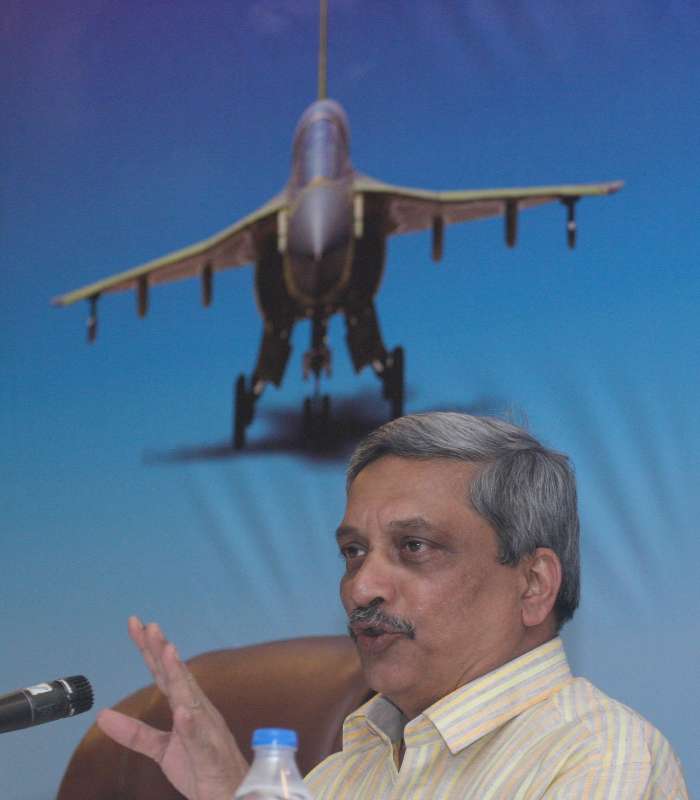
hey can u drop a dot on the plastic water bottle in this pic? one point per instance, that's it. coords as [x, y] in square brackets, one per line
[274, 774]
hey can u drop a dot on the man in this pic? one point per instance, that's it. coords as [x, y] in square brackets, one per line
[460, 540]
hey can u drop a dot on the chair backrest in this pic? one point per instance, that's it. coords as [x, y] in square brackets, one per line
[309, 685]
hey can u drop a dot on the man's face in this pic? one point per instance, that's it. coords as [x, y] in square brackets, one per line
[418, 554]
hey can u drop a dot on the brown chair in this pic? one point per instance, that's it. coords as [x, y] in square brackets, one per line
[309, 685]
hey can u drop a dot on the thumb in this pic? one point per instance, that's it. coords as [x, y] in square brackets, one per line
[133, 733]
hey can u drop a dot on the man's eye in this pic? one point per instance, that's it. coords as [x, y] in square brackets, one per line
[351, 551]
[415, 546]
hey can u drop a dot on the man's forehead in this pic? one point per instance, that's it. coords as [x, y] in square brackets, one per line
[409, 492]
[417, 466]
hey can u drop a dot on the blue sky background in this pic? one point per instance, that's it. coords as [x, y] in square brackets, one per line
[132, 129]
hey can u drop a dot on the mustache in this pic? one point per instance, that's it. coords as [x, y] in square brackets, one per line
[371, 617]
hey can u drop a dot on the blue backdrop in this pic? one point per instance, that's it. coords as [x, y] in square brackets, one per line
[130, 129]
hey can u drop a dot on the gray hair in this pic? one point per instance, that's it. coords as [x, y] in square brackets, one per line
[526, 492]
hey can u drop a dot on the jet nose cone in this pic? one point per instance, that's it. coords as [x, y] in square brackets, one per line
[320, 222]
[320, 228]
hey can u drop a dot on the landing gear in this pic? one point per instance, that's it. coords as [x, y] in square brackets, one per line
[316, 410]
[272, 361]
[366, 347]
[393, 379]
[317, 359]
[243, 410]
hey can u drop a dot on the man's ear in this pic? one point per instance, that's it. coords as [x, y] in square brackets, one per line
[542, 574]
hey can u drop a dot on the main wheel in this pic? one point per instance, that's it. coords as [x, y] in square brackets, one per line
[241, 413]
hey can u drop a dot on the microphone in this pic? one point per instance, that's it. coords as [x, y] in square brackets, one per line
[45, 702]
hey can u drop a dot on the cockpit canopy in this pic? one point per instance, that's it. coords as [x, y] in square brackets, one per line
[321, 143]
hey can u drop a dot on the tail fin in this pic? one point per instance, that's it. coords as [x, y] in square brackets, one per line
[323, 52]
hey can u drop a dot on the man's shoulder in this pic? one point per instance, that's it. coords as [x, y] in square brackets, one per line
[609, 724]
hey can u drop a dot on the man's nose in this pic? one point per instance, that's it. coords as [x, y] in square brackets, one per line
[373, 580]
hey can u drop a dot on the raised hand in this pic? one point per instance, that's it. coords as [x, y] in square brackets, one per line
[199, 756]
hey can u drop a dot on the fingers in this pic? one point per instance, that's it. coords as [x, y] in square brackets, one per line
[133, 733]
[150, 641]
[182, 689]
[172, 676]
[214, 756]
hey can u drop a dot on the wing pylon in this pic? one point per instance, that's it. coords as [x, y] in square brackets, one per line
[232, 247]
[410, 209]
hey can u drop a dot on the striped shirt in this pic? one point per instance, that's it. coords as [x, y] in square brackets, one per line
[526, 730]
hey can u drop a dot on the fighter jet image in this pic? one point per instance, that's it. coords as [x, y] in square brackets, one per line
[319, 248]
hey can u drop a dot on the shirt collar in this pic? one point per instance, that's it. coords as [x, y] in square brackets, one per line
[470, 712]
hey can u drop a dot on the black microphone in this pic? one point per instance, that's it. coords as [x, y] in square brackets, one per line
[45, 702]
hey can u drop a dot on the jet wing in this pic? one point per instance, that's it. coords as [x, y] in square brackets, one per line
[417, 209]
[232, 247]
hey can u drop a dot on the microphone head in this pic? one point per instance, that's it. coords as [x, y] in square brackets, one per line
[45, 702]
[79, 693]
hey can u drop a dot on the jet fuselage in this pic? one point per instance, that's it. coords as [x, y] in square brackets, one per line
[320, 242]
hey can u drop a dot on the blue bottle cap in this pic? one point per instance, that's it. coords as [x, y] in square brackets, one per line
[274, 737]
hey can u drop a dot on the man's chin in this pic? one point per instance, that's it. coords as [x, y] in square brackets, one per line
[384, 664]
